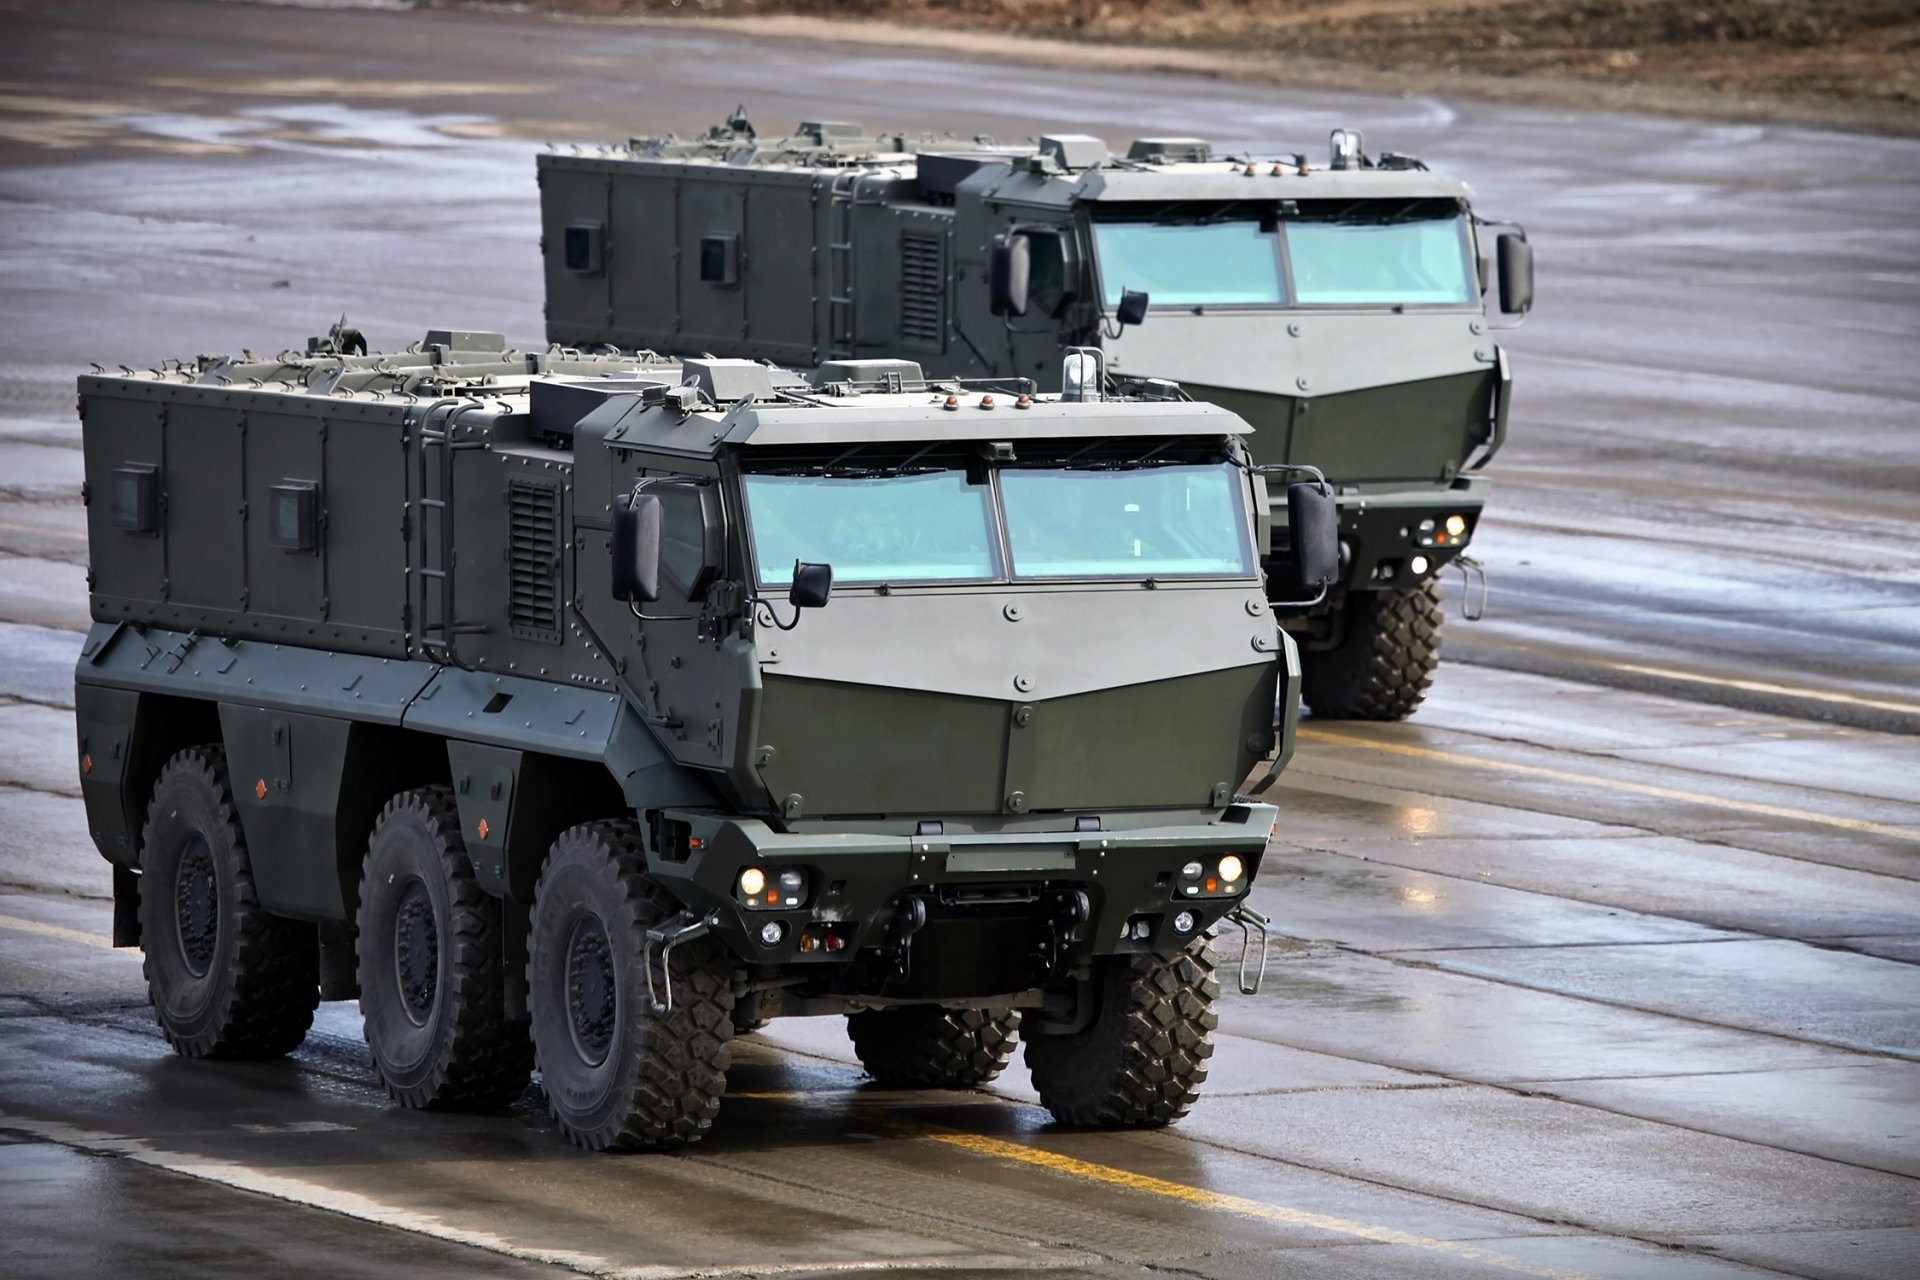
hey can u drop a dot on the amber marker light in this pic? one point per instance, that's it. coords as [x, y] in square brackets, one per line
[86, 765]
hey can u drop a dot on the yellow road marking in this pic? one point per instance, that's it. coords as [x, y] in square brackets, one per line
[1614, 784]
[1761, 686]
[59, 932]
[1220, 1202]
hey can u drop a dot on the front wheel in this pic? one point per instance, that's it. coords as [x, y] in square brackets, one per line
[923, 1046]
[618, 1073]
[1141, 1061]
[1383, 666]
[227, 979]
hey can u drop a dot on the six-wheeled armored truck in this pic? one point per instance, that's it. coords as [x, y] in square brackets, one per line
[585, 712]
[1341, 308]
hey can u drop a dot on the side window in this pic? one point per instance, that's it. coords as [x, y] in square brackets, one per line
[689, 536]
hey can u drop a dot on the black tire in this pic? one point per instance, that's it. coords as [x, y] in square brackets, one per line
[923, 1046]
[1384, 665]
[432, 964]
[226, 979]
[618, 1075]
[1141, 1062]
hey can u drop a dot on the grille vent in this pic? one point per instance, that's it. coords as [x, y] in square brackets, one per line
[533, 558]
[923, 289]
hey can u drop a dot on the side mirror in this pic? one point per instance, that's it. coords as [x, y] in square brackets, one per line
[1132, 308]
[812, 584]
[1516, 274]
[636, 549]
[1009, 272]
[1313, 522]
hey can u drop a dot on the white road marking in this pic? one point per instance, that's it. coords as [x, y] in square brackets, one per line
[1762, 686]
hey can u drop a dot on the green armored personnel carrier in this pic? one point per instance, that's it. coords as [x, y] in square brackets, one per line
[588, 711]
[1341, 308]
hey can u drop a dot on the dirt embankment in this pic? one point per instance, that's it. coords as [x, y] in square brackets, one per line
[1849, 62]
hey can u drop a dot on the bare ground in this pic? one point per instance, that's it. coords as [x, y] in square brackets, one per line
[1852, 63]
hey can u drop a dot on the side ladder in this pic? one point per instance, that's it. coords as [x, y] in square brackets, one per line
[431, 574]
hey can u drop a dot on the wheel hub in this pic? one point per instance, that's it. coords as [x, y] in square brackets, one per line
[196, 906]
[416, 952]
[592, 1001]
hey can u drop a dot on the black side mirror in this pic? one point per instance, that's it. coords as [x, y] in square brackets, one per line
[1516, 274]
[1132, 308]
[1313, 522]
[1009, 273]
[812, 584]
[636, 549]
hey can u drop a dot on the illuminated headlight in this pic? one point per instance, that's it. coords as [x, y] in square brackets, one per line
[1442, 531]
[1231, 868]
[1419, 565]
[787, 888]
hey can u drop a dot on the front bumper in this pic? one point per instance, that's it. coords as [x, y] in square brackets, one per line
[856, 883]
[1380, 543]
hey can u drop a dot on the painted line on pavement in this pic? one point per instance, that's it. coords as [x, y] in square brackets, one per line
[1615, 784]
[1762, 686]
[1218, 1201]
[352, 1204]
[59, 932]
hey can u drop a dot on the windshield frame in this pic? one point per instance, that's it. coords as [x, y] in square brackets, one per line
[1002, 549]
[1261, 211]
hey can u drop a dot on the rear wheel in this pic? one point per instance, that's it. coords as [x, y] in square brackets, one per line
[1383, 666]
[432, 971]
[226, 979]
[618, 1074]
[927, 1047]
[1142, 1059]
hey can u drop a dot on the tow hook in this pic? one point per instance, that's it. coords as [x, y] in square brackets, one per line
[1471, 571]
[1249, 920]
[907, 921]
[684, 927]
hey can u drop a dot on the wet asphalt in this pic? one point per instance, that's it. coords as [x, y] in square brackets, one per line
[1602, 965]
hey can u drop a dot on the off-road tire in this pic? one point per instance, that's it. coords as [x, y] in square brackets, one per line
[618, 1075]
[1384, 665]
[433, 976]
[226, 979]
[1141, 1061]
[923, 1046]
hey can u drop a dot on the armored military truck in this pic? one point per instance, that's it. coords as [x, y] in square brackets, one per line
[586, 712]
[1340, 307]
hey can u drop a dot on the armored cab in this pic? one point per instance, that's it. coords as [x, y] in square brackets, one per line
[1341, 308]
[595, 709]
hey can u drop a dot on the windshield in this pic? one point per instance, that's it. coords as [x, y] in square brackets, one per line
[933, 527]
[1357, 262]
[1221, 262]
[1302, 262]
[1170, 520]
[1145, 522]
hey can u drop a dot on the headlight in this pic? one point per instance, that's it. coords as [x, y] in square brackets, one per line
[784, 889]
[1231, 868]
[1441, 531]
